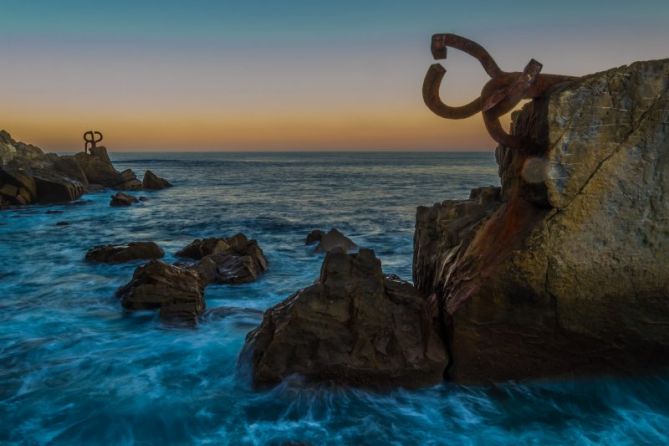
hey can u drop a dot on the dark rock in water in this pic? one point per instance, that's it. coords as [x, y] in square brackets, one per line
[98, 168]
[226, 260]
[177, 292]
[53, 211]
[62, 223]
[153, 181]
[52, 188]
[124, 253]
[353, 326]
[568, 273]
[330, 241]
[121, 199]
[128, 181]
[313, 237]
[143, 198]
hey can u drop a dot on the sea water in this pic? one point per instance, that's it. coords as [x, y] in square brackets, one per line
[76, 369]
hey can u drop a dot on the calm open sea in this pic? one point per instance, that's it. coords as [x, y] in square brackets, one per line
[74, 369]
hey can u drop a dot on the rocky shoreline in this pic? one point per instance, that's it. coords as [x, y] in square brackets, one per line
[28, 175]
[562, 271]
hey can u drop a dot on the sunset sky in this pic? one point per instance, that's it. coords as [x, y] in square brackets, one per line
[286, 75]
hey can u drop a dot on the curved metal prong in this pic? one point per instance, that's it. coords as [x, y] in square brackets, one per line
[495, 129]
[431, 85]
[441, 41]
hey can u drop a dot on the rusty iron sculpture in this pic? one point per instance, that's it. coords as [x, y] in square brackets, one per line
[500, 94]
[91, 138]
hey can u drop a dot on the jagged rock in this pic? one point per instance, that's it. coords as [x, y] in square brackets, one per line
[177, 292]
[98, 168]
[153, 181]
[313, 237]
[226, 260]
[128, 181]
[328, 242]
[121, 199]
[569, 275]
[124, 253]
[353, 326]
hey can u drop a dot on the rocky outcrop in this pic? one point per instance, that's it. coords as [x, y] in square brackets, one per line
[352, 326]
[226, 260]
[121, 199]
[330, 241]
[153, 181]
[177, 292]
[28, 175]
[124, 253]
[568, 271]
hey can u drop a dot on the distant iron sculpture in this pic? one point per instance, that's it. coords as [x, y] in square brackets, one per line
[499, 95]
[91, 138]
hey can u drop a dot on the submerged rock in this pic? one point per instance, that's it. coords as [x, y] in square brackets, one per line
[330, 241]
[352, 326]
[153, 181]
[226, 260]
[568, 273]
[177, 292]
[124, 253]
[121, 199]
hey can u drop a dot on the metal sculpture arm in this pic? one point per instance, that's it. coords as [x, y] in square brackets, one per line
[499, 96]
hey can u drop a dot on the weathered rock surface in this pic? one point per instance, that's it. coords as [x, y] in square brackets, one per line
[569, 273]
[121, 199]
[226, 260]
[328, 242]
[353, 326]
[153, 181]
[124, 253]
[177, 292]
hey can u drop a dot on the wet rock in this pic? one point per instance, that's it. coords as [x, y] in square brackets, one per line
[313, 237]
[352, 326]
[177, 292]
[153, 181]
[121, 199]
[330, 241]
[568, 274]
[62, 223]
[124, 253]
[128, 181]
[226, 260]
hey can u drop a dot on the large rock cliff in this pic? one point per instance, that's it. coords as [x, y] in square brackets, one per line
[565, 270]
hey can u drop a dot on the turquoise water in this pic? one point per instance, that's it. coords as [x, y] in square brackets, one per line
[75, 369]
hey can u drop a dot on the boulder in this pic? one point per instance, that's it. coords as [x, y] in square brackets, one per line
[153, 181]
[353, 326]
[226, 260]
[330, 241]
[121, 199]
[313, 237]
[177, 292]
[567, 273]
[124, 253]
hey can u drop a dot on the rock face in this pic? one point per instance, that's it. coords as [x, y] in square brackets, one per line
[330, 241]
[124, 253]
[226, 260]
[353, 326]
[121, 199]
[177, 292]
[568, 271]
[28, 175]
[153, 181]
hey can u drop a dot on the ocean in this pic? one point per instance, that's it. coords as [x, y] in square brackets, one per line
[76, 369]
